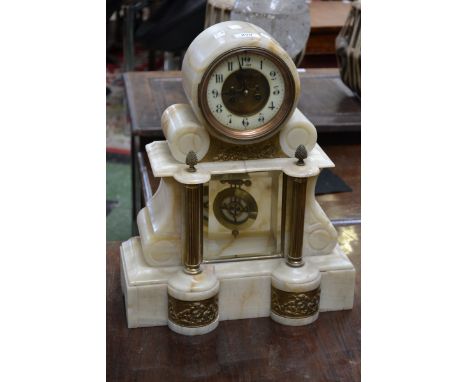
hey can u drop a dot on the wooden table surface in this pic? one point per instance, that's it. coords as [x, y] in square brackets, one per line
[240, 350]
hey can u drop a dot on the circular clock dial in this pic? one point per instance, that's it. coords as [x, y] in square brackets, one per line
[246, 93]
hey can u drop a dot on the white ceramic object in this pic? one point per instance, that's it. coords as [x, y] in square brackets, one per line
[184, 132]
[218, 39]
[297, 131]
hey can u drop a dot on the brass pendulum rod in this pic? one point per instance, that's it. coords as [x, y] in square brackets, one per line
[193, 248]
[297, 213]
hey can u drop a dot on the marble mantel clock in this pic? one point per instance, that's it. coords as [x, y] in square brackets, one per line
[234, 230]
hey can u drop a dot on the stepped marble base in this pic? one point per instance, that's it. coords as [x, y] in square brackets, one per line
[244, 286]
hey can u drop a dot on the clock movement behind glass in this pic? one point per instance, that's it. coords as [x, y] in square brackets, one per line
[234, 230]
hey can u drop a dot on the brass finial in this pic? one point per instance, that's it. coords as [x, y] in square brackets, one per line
[300, 154]
[191, 160]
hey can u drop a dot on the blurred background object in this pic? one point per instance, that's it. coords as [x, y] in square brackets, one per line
[171, 29]
[326, 19]
[218, 11]
[287, 21]
[348, 49]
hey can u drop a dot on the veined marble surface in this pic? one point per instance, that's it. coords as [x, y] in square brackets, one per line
[217, 40]
[184, 132]
[140, 273]
[160, 222]
[244, 286]
[297, 131]
[163, 163]
[193, 287]
[159, 225]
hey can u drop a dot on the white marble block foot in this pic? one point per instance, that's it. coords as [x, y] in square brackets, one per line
[295, 294]
[193, 302]
[244, 286]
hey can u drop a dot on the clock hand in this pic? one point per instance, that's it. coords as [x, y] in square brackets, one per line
[240, 66]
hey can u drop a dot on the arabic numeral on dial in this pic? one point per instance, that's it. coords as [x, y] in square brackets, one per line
[245, 122]
[219, 108]
[219, 78]
[261, 118]
[272, 106]
[273, 75]
[215, 93]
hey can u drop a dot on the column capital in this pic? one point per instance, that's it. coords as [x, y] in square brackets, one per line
[306, 171]
[186, 177]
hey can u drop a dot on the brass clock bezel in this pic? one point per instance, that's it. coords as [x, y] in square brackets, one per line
[260, 133]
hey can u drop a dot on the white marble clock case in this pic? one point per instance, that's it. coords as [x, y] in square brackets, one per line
[151, 264]
[149, 261]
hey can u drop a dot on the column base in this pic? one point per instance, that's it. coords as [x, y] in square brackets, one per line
[293, 321]
[193, 302]
[295, 294]
[188, 331]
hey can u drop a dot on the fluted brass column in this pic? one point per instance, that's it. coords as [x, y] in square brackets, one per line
[295, 283]
[296, 215]
[193, 248]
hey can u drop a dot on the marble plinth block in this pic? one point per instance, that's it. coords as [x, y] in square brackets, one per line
[244, 286]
